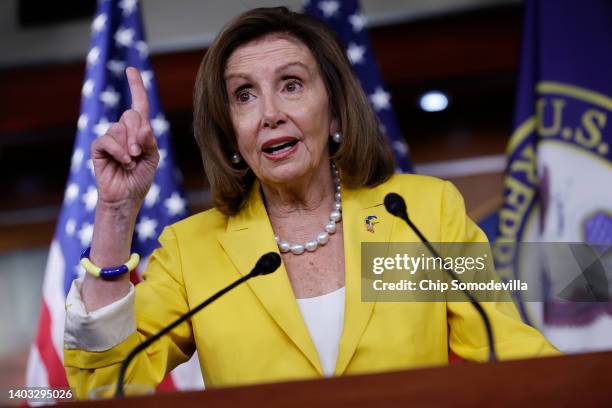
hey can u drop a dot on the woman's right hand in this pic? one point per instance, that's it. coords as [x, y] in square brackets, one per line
[125, 158]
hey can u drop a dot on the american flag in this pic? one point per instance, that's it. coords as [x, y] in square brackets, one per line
[346, 19]
[117, 41]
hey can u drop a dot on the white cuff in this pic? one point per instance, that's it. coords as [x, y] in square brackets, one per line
[101, 329]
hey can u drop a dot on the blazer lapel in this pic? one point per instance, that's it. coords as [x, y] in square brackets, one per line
[249, 235]
[357, 205]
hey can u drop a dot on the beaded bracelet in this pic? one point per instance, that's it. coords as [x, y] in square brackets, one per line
[110, 272]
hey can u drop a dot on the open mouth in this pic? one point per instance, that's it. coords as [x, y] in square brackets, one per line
[280, 147]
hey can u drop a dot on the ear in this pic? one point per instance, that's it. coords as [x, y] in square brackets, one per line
[334, 126]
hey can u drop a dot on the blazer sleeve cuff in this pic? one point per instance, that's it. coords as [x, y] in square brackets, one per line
[101, 329]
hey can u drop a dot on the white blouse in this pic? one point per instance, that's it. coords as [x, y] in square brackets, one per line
[324, 318]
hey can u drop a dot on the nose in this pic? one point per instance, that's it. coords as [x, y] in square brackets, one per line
[273, 114]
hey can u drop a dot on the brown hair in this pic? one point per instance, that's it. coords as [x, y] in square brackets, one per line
[364, 157]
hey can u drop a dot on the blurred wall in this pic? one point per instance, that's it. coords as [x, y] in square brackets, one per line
[186, 24]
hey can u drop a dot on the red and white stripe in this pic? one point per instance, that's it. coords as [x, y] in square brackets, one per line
[45, 366]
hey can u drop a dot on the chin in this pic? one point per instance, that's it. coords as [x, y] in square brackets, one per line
[285, 173]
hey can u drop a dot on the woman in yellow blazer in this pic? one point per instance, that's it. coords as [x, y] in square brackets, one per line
[256, 334]
[273, 86]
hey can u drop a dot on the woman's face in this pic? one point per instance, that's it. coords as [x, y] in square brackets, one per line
[279, 109]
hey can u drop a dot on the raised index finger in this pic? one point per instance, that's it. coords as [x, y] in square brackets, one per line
[140, 101]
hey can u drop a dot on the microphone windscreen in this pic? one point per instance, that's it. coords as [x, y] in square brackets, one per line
[268, 263]
[395, 204]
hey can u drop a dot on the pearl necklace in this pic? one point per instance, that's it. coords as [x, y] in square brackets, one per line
[330, 228]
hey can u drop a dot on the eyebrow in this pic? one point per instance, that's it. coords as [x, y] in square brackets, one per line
[291, 64]
[276, 71]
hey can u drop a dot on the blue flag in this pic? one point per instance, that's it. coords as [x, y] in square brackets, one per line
[117, 41]
[558, 184]
[346, 19]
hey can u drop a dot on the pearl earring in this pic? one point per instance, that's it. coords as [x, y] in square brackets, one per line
[236, 158]
[337, 137]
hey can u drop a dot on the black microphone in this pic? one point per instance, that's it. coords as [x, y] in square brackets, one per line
[395, 205]
[267, 264]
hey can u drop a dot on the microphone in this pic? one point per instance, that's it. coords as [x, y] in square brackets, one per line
[266, 264]
[395, 205]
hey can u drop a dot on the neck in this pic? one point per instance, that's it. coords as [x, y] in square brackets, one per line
[312, 194]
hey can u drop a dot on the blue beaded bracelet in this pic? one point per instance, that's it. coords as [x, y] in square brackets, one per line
[109, 272]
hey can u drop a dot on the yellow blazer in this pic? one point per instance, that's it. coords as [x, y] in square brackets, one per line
[256, 333]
